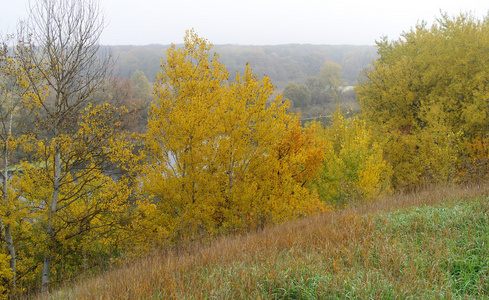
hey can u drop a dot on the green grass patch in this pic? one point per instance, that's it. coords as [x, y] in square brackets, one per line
[449, 241]
[422, 252]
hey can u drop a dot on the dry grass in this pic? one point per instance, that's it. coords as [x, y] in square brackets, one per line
[369, 251]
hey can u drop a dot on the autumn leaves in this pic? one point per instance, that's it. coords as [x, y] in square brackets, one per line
[425, 100]
[217, 156]
[223, 158]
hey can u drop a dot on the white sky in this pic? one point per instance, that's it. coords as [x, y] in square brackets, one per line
[260, 22]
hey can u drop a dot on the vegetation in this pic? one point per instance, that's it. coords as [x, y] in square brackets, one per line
[354, 169]
[425, 100]
[220, 157]
[426, 245]
[64, 201]
[320, 94]
[282, 63]
[98, 169]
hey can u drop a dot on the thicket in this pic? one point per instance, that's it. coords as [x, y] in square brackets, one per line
[218, 156]
[425, 101]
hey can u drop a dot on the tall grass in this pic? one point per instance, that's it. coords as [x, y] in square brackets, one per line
[426, 245]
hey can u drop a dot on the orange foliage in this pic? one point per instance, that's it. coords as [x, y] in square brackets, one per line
[301, 151]
[475, 166]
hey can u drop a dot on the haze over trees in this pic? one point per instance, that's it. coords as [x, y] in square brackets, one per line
[282, 63]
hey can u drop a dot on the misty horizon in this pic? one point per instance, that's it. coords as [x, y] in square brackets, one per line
[254, 22]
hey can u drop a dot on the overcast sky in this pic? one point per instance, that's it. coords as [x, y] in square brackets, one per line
[260, 22]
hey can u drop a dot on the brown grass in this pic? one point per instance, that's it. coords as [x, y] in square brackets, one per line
[321, 254]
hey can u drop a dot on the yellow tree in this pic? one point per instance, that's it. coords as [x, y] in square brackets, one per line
[9, 82]
[92, 197]
[354, 169]
[213, 148]
[425, 97]
[14, 130]
[73, 183]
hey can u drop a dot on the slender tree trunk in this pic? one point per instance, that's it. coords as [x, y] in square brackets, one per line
[11, 250]
[46, 270]
[6, 228]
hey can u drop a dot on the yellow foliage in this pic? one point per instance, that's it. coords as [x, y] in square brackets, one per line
[426, 96]
[474, 167]
[93, 196]
[220, 156]
[354, 168]
[5, 275]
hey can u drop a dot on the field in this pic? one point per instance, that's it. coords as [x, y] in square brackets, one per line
[426, 245]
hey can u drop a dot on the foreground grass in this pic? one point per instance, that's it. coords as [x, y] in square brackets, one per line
[431, 245]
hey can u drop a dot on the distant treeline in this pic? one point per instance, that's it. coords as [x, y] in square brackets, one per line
[282, 63]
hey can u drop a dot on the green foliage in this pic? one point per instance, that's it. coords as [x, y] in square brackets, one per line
[424, 96]
[324, 87]
[299, 94]
[354, 169]
[330, 77]
[142, 87]
[282, 63]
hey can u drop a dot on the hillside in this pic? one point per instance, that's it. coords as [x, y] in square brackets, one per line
[427, 245]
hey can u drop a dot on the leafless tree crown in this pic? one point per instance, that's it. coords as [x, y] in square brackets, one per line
[61, 38]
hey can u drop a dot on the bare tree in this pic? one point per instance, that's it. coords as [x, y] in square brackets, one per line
[61, 39]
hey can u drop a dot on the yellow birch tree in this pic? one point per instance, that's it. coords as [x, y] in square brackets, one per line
[213, 148]
[72, 183]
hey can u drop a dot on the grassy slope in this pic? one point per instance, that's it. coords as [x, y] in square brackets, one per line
[429, 245]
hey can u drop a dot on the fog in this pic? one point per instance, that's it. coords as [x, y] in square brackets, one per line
[260, 22]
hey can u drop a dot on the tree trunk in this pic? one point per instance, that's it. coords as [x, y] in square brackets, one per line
[46, 270]
[6, 228]
[45, 273]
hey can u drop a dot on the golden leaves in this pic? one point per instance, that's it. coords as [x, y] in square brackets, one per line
[354, 169]
[221, 155]
[426, 97]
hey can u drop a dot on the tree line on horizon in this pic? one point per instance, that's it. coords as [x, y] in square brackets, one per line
[315, 78]
[281, 63]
